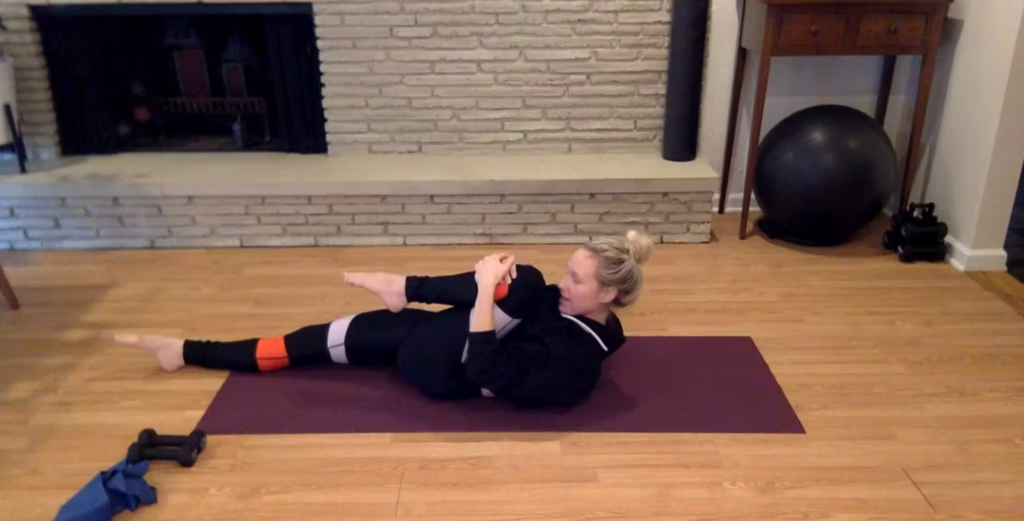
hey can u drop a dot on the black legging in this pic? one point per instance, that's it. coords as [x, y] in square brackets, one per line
[426, 347]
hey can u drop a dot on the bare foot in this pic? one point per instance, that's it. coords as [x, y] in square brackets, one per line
[169, 351]
[388, 287]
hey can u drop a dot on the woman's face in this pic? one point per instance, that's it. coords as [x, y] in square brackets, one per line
[582, 294]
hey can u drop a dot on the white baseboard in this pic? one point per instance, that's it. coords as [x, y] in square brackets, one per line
[735, 203]
[965, 259]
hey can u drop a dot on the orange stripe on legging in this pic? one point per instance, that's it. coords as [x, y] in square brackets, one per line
[271, 354]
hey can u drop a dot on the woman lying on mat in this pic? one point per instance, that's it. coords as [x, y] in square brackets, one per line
[538, 345]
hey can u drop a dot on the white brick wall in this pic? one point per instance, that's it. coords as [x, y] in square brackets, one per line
[232, 222]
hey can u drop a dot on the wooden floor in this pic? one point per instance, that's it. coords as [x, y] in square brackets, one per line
[909, 380]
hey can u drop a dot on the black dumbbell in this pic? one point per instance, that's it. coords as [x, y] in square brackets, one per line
[148, 439]
[185, 455]
[931, 234]
[891, 240]
[912, 253]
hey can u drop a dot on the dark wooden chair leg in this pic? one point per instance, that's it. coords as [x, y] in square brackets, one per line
[760, 97]
[8, 291]
[888, 71]
[730, 136]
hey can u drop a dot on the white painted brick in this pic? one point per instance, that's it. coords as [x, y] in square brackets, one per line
[394, 148]
[12, 235]
[546, 207]
[469, 126]
[618, 54]
[514, 67]
[655, 54]
[580, 18]
[89, 222]
[456, 19]
[311, 229]
[204, 242]
[454, 229]
[644, 18]
[657, 30]
[493, 137]
[330, 219]
[539, 198]
[407, 199]
[544, 7]
[282, 219]
[283, 241]
[397, 218]
[446, 43]
[327, 20]
[602, 124]
[360, 241]
[137, 233]
[73, 233]
[392, 115]
[541, 239]
[700, 206]
[191, 231]
[94, 244]
[366, 208]
[611, 208]
[536, 149]
[325, 44]
[523, 126]
[346, 127]
[413, 32]
[455, 68]
[403, 91]
[401, 68]
[48, 212]
[517, 218]
[127, 211]
[432, 137]
[402, 126]
[287, 199]
[499, 103]
[616, 148]
[628, 218]
[288, 209]
[651, 90]
[260, 229]
[380, 20]
[650, 124]
[500, 114]
[34, 222]
[444, 218]
[704, 227]
[426, 208]
[357, 8]
[224, 220]
[446, 240]
[652, 43]
[388, 103]
[521, 19]
[348, 55]
[607, 67]
[608, 228]
[335, 80]
[342, 102]
[450, 79]
[689, 196]
[485, 208]
[463, 149]
[629, 198]
[88, 201]
[506, 30]
[193, 209]
[611, 135]
[363, 229]
[348, 150]
[467, 199]
[443, 103]
[602, 90]
[639, 113]
[690, 238]
[577, 218]
[347, 68]
[593, 102]
[149, 221]
[626, 5]
[525, 42]
[552, 229]
[435, 7]
[558, 54]
[454, 55]
[348, 199]
[497, 7]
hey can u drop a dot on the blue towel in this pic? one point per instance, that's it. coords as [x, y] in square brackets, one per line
[110, 492]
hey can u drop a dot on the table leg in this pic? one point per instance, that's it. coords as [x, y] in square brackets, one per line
[763, 70]
[885, 90]
[730, 135]
[924, 91]
[8, 291]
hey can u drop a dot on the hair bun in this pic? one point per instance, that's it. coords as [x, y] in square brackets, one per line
[640, 246]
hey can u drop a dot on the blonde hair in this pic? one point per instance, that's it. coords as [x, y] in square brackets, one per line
[620, 264]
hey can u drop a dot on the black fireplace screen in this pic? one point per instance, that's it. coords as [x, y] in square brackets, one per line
[183, 78]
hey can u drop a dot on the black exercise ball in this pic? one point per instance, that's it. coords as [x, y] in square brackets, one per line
[822, 174]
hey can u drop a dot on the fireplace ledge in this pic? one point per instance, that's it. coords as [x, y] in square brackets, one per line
[247, 174]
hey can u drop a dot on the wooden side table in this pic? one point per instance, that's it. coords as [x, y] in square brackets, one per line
[831, 28]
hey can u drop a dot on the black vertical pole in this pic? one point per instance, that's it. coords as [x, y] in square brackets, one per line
[685, 79]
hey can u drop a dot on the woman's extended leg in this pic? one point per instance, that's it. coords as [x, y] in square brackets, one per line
[365, 339]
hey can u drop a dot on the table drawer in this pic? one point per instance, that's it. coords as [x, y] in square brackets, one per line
[804, 30]
[885, 29]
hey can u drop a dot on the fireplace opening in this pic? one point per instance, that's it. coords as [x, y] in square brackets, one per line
[184, 78]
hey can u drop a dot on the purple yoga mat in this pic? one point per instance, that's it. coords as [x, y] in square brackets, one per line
[652, 384]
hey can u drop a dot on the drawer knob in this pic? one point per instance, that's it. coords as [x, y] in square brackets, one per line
[815, 30]
[893, 29]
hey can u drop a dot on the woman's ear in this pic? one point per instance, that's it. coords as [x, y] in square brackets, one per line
[607, 295]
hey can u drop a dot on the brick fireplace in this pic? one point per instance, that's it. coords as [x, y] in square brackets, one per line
[526, 80]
